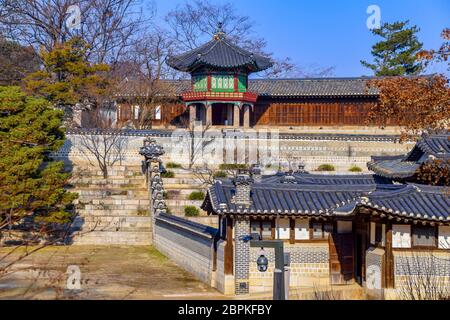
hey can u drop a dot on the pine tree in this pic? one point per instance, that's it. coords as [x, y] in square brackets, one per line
[32, 186]
[67, 77]
[396, 54]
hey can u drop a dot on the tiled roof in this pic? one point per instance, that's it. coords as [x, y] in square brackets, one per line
[436, 145]
[298, 88]
[219, 53]
[312, 87]
[412, 201]
[326, 179]
[332, 197]
[402, 167]
[192, 226]
[293, 199]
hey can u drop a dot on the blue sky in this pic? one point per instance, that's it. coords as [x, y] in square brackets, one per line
[333, 33]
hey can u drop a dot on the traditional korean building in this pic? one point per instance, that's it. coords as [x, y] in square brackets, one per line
[338, 229]
[221, 93]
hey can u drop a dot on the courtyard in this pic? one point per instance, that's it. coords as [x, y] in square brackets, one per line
[113, 272]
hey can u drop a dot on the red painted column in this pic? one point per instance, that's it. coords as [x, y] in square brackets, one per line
[208, 85]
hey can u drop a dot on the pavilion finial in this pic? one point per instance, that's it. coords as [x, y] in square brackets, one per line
[219, 32]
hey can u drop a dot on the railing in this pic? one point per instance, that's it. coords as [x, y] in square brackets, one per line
[211, 95]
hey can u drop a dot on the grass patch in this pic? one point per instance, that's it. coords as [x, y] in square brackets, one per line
[355, 169]
[173, 165]
[196, 195]
[158, 256]
[326, 167]
[191, 211]
[220, 174]
[168, 174]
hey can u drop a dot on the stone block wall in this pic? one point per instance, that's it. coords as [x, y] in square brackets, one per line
[241, 255]
[342, 154]
[427, 272]
[309, 266]
[190, 250]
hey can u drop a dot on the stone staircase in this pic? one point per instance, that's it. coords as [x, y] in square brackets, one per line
[178, 190]
[114, 211]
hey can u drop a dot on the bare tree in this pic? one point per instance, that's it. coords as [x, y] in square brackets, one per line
[421, 277]
[190, 27]
[109, 26]
[103, 147]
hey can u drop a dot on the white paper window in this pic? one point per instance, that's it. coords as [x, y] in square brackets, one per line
[344, 227]
[401, 236]
[283, 229]
[444, 237]
[136, 112]
[158, 113]
[301, 229]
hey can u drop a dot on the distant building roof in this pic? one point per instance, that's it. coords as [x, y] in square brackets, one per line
[278, 88]
[219, 53]
[326, 179]
[436, 146]
[312, 87]
[340, 195]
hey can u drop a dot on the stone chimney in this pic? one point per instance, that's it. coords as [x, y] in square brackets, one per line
[255, 172]
[243, 183]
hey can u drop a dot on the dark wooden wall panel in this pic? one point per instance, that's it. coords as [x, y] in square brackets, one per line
[312, 112]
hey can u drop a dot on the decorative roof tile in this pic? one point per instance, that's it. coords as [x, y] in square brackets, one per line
[219, 53]
[334, 197]
[405, 166]
[277, 88]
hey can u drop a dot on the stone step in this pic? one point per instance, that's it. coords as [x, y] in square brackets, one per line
[108, 207]
[176, 180]
[110, 177]
[181, 194]
[117, 202]
[112, 238]
[110, 184]
[179, 211]
[103, 193]
[183, 203]
[113, 213]
[114, 225]
[180, 186]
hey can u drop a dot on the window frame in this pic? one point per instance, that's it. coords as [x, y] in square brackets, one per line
[413, 237]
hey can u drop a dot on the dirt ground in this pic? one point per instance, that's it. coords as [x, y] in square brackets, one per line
[106, 273]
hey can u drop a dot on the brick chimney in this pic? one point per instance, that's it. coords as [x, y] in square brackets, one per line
[243, 183]
[255, 172]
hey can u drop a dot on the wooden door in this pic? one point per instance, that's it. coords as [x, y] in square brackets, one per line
[341, 258]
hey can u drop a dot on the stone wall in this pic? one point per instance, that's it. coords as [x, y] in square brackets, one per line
[309, 266]
[241, 255]
[342, 153]
[427, 272]
[184, 244]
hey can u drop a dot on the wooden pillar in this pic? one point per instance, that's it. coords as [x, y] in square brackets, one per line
[192, 115]
[292, 231]
[236, 115]
[389, 258]
[247, 108]
[228, 254]
[208, 114]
